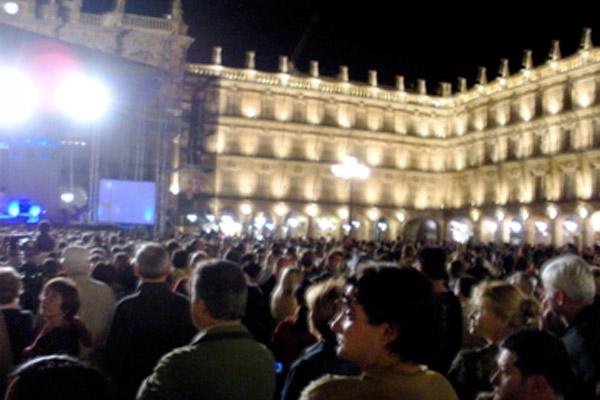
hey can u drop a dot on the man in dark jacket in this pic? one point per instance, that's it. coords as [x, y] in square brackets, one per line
[146, 324]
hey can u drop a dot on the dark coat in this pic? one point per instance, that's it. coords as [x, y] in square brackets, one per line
[318, 360]
[146, 325]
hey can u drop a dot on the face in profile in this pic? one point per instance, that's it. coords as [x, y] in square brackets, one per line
[357, 340]
[484, 323]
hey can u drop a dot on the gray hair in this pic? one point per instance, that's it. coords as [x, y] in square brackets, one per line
[221, 285]
[571, 274]
[152, 261]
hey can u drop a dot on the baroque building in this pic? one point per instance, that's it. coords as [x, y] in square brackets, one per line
[514, 158]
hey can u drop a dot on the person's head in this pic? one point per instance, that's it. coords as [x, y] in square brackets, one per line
[180, 258]
[532, 365]
[523, 281]
[432, 262]
[44, 226]
[463, 288]
[322, 300]
[10, 285]
[290, 280]
[499, 309]
[57, 377]
[59, 299]
[388, 314]
[76, 260]
[568, 285]
[219, 293]
[104, 272]
[596, 273]
[152, 261]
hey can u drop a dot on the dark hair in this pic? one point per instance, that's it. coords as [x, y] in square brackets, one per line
[104, 272]
[465, 285]
[58, 377]
[541, 353]
[403, 298]
[433, 263]
[152, 261]
[179, 259]
[221, 285]
[67, 289]
[252, 269]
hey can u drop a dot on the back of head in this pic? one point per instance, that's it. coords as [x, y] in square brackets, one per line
[508, 302]
[404, 298]
[571, 274]
[57, 377]
[541, 353]
[76, 260]
[152, 261]
[433, 263]
[11, 285]
[221, 285]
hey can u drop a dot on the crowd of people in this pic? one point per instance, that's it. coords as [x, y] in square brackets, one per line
[109, 315]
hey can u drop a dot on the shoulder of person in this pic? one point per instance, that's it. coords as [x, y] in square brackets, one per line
[330, 387]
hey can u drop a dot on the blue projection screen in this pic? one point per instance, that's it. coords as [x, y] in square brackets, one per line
[127, 202]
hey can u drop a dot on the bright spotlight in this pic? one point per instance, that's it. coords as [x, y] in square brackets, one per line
[570, 226]
[67, 197]
[35, 211]
[516, 227]
[11, 8]
[83, 98]
[293, 223]
[14, 208]
[192, 218]
[18, 97]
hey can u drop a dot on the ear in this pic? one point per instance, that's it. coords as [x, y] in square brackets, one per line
[560, 297]
[390, 333]
[198, 313]
[136, 271]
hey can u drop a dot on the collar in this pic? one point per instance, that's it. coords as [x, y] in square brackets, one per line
[214, 330]
[10, 306]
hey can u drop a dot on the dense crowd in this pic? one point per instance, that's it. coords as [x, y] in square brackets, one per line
[110, 315]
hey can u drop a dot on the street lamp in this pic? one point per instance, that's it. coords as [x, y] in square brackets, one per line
[350, 169]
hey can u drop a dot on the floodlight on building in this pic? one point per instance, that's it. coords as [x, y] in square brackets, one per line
[246, 208]
[293, 223]
[18, 97]
[192, 218]
[382, 226]
[346, 228]
[401, 216]
[373, 214]
[541, 226]
[174, 188]
[491, 226]
[312, 210]
[11, 7]
[524, 212]
[355, 224]
[583, 211]
[210, 217]
[570, 225]
[270, 226]
[552, 211]
[280, 209]
[516, 227]
[259, 221]
[500, 214]
[229, 226]
[84, 98]
[67, 197]
[475, 214]
[342, 212]
[595, 221]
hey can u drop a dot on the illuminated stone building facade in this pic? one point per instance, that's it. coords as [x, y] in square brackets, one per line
[514, 158]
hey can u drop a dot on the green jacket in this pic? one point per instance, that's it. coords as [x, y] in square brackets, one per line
[223, 362]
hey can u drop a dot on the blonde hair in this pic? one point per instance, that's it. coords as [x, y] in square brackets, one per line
[509, 303]
[322, 300]
[283, 302]
[10, 285]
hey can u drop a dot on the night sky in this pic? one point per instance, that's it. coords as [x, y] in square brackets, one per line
[421, 39]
